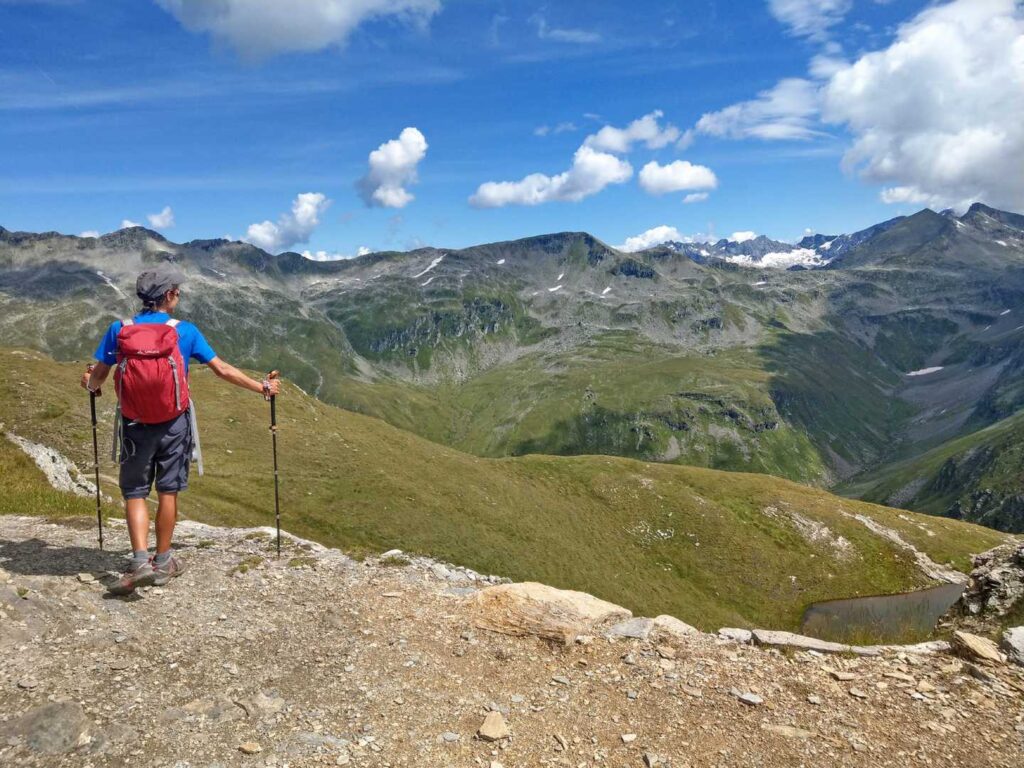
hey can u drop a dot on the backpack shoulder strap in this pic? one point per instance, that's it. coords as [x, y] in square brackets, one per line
[173, 322]
[129, 321]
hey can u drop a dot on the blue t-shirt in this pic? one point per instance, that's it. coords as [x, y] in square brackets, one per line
[190, 340]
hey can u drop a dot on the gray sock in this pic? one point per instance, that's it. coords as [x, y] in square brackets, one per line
[162, 557]
[140, 557]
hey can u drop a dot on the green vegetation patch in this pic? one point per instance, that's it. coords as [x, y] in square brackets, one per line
[713, 548]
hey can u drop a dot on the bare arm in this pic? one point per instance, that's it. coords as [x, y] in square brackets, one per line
[94, 376]
[231, 374]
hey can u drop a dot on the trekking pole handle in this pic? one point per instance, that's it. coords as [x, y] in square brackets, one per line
[272, 398]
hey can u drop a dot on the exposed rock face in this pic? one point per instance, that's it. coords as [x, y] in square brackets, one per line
[1013, 644]
[996, 583]
[975, 648]
[537, 609]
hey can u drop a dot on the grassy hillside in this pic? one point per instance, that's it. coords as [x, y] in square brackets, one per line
[619, 396]
[711, 547]
[978, 477]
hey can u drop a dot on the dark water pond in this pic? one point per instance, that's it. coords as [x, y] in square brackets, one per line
[905, 618]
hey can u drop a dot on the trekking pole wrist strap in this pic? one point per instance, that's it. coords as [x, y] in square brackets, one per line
[266, 389]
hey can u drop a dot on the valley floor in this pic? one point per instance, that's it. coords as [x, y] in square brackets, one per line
[317, 659]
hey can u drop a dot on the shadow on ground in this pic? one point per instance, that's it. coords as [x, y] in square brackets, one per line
[35, 557]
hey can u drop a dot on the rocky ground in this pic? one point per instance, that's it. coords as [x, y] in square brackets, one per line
[316, 659]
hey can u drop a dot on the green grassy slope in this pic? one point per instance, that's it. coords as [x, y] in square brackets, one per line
[657, 538]
[978, 477]
[619, 396]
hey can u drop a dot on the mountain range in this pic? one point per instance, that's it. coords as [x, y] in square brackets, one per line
[886, 363]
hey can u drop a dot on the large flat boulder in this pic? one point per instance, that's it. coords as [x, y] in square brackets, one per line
[975, 648]
[530, 608]
[777, 639]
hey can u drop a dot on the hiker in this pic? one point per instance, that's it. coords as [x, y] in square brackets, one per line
[150, 355]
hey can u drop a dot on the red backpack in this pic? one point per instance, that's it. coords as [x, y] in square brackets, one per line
[150, 379]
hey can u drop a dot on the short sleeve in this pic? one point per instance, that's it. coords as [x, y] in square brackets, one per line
[106, 352]
[201, 349]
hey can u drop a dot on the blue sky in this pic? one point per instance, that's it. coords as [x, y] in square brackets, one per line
[115, 110]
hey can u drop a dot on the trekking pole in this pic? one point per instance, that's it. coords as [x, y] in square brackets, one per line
[273, 438]
[96, 463]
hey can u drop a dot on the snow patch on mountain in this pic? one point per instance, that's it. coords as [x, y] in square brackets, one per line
[803, 257]
[433, 264]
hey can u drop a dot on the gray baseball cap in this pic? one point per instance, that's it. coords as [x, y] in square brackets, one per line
[152, 284]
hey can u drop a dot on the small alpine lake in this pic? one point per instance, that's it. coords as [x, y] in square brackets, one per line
[901, 618]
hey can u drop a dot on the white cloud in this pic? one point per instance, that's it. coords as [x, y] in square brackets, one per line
[786, 111]
[544, 32]
[544, 130]
[392, 169]
[128, 224]
[940, 112]
[591, 172]
[645, 129]
[90, 233]
[333, 255]
[290, 228]
[652, 237]
[807, 257]
[260, 28]
[680, 175]
[742, 237]
[162, 220]
[695, 197]
[810, 18]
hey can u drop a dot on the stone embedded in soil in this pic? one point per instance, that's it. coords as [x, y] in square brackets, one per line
[975, 647]
[52, 729]
[737, 635]
[250, 748]
[494, 727]
[842, 676]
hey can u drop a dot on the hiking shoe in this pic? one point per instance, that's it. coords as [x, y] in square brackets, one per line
[132, 579]
[172, 569]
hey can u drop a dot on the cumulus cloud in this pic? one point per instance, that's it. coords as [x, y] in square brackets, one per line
[810, 18]
[290, 228]
[695, 197]
[261, 28]
[652, 237]
[939, 114]
[591, 172]
[680, 175]
[393, 168]
[788, 110]
[128, 224]
[162, 220]
[334, 255]
[89, 233]
[646, 129]
[742, 237]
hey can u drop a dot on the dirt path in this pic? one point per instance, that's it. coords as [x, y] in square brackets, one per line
[319, 660]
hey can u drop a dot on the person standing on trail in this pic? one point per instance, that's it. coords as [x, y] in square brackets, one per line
[149, 355]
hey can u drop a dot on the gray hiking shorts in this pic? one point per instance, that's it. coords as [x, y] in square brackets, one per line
[158, 452]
